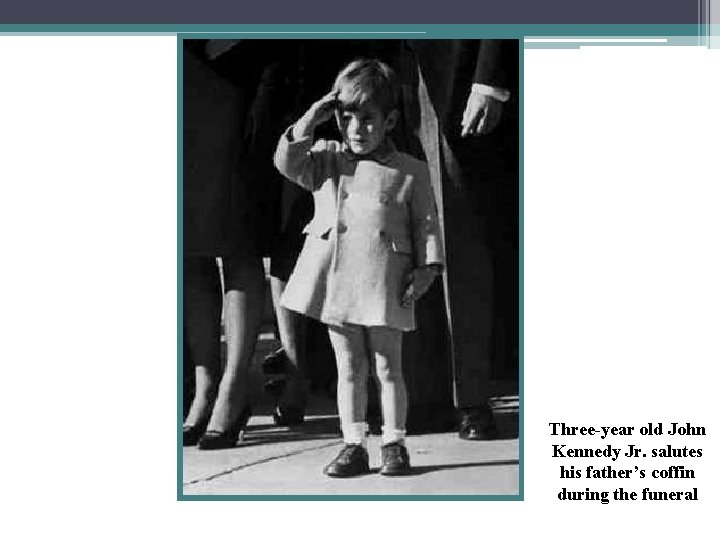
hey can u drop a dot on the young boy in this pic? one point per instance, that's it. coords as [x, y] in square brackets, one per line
[372, 248]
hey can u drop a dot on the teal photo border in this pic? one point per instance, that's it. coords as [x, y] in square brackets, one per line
[677, 34]
[335, 33]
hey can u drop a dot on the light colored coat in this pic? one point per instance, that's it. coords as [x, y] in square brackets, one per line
[375, 221]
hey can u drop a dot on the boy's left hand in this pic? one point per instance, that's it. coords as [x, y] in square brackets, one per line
[417, 283]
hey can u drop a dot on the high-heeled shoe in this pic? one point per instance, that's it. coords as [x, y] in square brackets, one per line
[193, 433]
[216, 440]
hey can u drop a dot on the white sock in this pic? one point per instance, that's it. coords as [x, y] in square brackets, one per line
[392, 435]
[355, 433]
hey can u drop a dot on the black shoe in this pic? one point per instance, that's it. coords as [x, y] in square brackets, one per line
[275, 363]
[351, 461]
[477, 424]
[395, 459]
[288, 416]
[192, 434]
[216, 440]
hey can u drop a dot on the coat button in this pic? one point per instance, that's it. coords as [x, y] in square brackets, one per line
[384, 198]
[344, 195]
[341, 228]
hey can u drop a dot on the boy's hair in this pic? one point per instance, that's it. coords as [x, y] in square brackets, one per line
[368, 80]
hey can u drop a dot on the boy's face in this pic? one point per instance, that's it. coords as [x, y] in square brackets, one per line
[363, 129]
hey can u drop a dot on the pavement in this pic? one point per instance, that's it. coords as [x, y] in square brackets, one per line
[272, 460]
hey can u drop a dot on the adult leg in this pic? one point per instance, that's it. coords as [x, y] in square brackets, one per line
[470, 297]
[292, 329]
[468, 279]
[244, 286]
[487, 292]
[202, 305]
[295, 209]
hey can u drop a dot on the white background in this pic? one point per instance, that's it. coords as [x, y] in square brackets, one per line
[622, 295]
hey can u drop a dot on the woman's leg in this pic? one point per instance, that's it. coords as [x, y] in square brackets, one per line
[292, 329]
[385, 346]
[350, 349]
[202, 305]
[244, 286]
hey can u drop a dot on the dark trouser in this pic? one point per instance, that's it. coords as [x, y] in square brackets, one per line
[475, 182]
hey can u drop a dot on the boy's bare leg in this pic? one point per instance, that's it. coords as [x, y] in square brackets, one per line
[244, 283]
[292, 329]
[348, 343]
[385, 345]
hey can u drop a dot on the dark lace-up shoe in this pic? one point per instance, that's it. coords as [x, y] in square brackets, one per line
[395, 459]
[477, 424]
[351, 461]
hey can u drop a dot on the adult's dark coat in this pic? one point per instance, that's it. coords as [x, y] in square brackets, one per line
[234, 107]
[477, 180]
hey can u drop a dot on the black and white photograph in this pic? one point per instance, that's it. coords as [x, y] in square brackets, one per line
[350, 261]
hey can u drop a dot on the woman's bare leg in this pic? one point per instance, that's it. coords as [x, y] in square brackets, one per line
[244, 285]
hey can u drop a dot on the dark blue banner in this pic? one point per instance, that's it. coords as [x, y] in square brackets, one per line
[365, 12]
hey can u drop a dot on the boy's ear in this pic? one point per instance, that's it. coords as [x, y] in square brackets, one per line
[391, 119]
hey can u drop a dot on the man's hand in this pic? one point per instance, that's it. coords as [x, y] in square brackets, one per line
[482, 114]
[319, 112]
[417, 283]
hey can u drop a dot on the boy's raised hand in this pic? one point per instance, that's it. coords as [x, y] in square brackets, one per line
[417, 283]
[319, 112]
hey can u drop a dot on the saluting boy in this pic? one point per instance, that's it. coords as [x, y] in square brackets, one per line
[372, 249]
